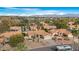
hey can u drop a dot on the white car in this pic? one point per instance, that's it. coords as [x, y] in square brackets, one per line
[63, 48]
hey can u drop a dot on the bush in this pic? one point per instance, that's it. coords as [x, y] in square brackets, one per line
[21, 47]
[23, 34]
[16, 39]
[46, 30]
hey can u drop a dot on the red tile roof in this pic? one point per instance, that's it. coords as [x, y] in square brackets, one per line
[60, 31]
[39, 32]
[7, 34]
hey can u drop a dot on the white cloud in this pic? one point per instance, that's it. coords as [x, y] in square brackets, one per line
[49, 12]
[7, 14]
[61, 13]
[33, 11]
[25, 9]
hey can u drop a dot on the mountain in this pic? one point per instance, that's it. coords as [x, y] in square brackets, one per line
[55, 15]
[52, 15]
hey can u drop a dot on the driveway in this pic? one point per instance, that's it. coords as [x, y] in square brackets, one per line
[43, 43]
[43, 49]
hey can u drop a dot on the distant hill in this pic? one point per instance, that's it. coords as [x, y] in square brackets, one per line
[54, 15]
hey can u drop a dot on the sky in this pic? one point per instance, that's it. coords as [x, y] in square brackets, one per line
[29, 11]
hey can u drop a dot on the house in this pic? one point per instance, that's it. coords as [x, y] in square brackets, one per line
[47, 26]
[44, 24]
[61, 32]
[15, 28]
[39, 33]
[71, 23]
[62, 41]
[4, 37]
[33, 26]
[77, 27]
[9, 34]
[50, 27]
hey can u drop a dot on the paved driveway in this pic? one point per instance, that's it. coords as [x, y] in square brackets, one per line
[42, 49]
[44, 43]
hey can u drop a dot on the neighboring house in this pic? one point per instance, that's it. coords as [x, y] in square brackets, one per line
[61, 32]
[77, 27]
[71, 25]
[9, 34]
[39, 33]
[15, 28]
[62, 41]
[4, 37]
[44, 24]
[50, 27]
[47, 26]
[33, 27]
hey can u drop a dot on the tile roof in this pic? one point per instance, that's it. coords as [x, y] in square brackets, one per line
[39, 32]
[6, 35]
[64, 41]
[71, 22]
[60, 31]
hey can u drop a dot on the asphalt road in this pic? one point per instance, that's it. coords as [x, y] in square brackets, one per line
[49, 48]
[42, 49]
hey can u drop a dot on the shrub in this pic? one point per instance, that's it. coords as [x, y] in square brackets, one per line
[46, 30]
[21, 47]
[16, 39]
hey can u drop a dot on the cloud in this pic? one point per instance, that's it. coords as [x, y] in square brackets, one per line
[49, 12]
[31, 11]
[28, 11]
[7, 14]
[24, 9]
[61, 13]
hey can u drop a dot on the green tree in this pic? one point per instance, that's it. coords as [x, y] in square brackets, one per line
[24, 24]
[60, 24]
[46, 30]
[4, 26]
[75, 32]
[16, 39]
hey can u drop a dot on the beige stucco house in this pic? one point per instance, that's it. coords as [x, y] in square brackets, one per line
[45, 35]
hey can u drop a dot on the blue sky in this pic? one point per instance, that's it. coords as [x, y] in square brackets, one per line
[27, 11]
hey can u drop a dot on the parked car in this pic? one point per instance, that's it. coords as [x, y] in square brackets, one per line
[62, 48]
